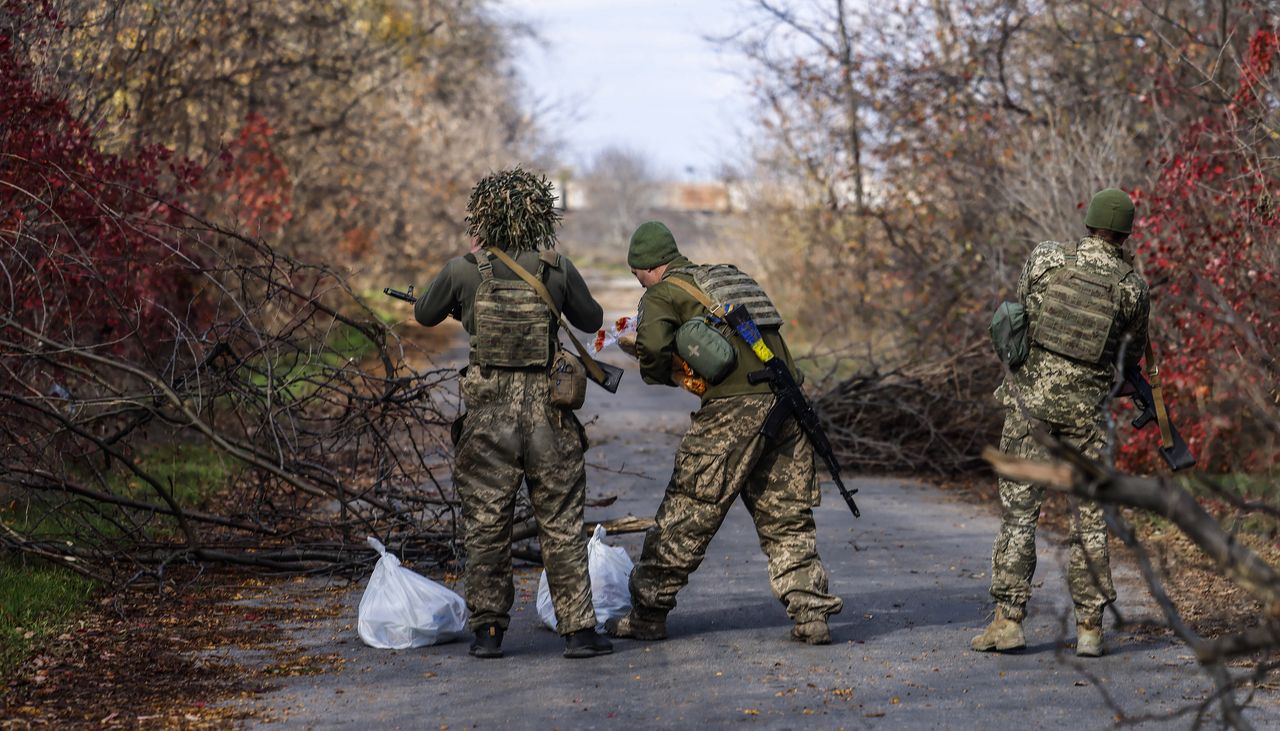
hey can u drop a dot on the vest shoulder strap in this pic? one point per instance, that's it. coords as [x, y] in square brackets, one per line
[485, 265]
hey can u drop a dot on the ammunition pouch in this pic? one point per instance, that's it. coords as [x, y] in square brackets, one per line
[1009, 334]
[568, 381]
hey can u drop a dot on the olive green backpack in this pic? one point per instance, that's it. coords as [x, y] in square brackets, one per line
[706, 350]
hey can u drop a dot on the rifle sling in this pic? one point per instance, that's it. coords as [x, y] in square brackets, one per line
[593, 367]
[697, 294]
[1157, 395]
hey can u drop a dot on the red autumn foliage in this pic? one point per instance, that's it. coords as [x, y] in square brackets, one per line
[1207, 236]
[85, 251]
[88, 239]
[256, 188]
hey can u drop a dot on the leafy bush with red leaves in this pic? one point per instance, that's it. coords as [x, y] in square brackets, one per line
[85, 244]
[1208, 238]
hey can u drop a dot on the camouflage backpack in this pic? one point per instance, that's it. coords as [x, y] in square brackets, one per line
[513, 326]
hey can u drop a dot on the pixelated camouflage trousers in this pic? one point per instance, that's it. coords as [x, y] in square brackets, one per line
[512, 434]
[721, 457]
[1013, 561]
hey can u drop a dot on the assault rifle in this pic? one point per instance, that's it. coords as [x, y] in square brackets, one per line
[791, 401]
[406, 296]
[1173, 448]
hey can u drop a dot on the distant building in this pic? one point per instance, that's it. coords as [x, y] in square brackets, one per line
[693, 197]
[575, 195]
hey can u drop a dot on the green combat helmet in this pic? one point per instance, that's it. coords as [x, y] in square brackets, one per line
[1110, 209]
[513, 210]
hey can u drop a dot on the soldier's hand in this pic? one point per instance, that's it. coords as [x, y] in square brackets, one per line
[628, 345]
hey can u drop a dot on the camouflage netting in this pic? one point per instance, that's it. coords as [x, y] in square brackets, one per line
[513, 210]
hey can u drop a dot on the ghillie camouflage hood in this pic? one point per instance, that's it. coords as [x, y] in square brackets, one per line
[513, 210]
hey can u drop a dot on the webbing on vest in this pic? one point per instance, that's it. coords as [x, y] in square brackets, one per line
[593, 368]
[512, 323]
[727, 284]
[1078, 316]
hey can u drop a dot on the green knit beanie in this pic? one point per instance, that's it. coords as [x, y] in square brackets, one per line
[1110, 209]
[652, 245]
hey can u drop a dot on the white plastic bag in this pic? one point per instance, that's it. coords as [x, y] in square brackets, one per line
[403, 609]
[610, 570]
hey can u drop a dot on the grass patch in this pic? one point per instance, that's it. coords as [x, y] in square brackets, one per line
[296, 374]
[35, 604]
[388, 310]
[192, 472]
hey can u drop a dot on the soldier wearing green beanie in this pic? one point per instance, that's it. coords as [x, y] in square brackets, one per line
[1086, 307]
[652, 245]
[723, 455]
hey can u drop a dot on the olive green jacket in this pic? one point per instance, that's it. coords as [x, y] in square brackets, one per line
[453, 292]
[664, 308]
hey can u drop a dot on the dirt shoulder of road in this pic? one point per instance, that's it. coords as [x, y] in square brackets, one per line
[1209, 602]
[165, 657]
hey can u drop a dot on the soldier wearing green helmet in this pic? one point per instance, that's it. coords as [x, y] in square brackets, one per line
[1086, 309]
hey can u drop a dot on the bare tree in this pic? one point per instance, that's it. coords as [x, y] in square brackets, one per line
[620, 187]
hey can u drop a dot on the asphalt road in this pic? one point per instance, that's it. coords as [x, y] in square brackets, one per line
[913, 572]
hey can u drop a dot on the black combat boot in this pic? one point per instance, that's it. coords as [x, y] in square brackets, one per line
[488, 642]
[586, 643]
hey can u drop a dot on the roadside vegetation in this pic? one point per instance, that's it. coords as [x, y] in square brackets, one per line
[907, 158]
[36, 605]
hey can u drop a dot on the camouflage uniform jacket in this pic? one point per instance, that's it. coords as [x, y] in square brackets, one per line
[453, 292]
[1057, 389]
[664, 308]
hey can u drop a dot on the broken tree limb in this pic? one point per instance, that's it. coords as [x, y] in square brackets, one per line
[924, 417]
[614, 526]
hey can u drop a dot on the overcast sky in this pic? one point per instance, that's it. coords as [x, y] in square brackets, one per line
[637, 73]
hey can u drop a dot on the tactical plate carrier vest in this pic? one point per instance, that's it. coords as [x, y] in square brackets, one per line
[726, 284]
[1078, 317]
[512, 323]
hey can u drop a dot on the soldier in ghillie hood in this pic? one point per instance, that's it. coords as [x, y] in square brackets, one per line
[1086, 309]
[724, 454]
[514, 429]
